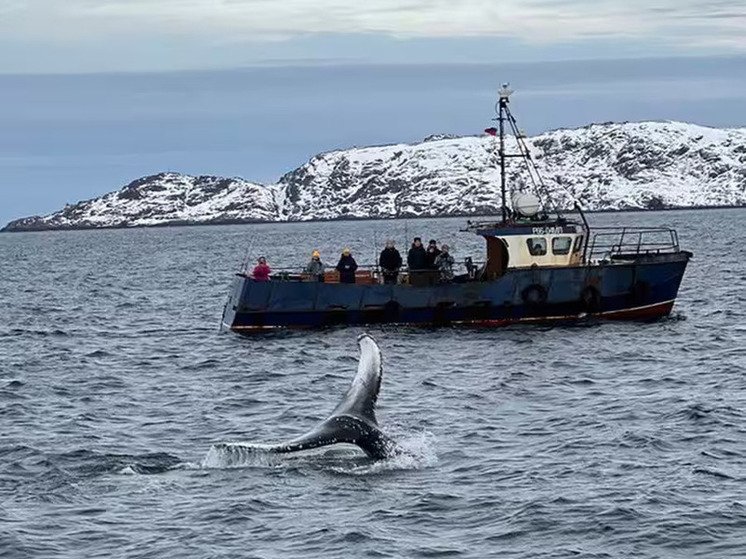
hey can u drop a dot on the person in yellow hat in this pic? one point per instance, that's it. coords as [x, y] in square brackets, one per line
[315, 268]
[346, 267]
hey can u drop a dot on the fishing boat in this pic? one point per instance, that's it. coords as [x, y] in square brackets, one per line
[538, 266]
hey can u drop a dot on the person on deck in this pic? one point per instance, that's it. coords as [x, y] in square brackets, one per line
[261, 270]
[432, 253]
[417, 257]
[315, 268]
[417, 263]
[390, 261]
[444, 262]
[346, 267]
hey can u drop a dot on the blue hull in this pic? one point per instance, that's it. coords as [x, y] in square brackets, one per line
[640, 288]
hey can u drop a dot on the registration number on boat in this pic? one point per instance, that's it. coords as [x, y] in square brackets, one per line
[546, 230]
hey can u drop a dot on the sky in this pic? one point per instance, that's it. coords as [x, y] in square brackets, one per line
[96, 93]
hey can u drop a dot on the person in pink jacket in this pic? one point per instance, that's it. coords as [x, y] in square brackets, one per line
[261, 270]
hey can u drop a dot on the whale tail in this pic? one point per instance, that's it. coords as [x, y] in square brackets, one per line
[362, 396]
[353, 421]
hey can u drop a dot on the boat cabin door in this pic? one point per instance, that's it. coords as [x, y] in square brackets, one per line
[497, 258]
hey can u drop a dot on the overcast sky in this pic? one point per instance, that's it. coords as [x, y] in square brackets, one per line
[97, 93]
[146, 35]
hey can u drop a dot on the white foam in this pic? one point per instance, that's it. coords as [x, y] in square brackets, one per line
[239, 455]
[419, 453]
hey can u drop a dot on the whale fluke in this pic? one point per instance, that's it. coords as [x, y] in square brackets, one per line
[353, 421]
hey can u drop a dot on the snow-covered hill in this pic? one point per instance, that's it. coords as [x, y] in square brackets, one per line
[166, 198]
[603, 166]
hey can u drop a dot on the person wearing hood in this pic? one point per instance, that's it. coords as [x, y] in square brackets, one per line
[390, 261]
[315, 268]
[432, 253]
[261, 270]
[346, 267]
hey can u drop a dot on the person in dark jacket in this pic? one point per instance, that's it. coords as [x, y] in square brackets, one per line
[417, 257]
[346, 267]
[390, 262]
[417, 263]
[432, 253]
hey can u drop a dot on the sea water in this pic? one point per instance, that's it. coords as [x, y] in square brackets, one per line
[596, 440]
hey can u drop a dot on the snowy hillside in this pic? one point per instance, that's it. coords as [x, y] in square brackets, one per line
[167, 198]
[603, 166]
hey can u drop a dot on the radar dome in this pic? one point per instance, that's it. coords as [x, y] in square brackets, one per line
[525, 204]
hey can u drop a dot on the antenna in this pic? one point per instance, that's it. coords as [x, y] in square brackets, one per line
[503, 94]
[504, 115]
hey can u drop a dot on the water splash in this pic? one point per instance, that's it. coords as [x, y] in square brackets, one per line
[418, 451]
[239, 455]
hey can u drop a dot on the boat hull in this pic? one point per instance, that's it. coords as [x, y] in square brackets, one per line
[643, 288]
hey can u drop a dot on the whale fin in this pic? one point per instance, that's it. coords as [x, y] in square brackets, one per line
[353, 421]
[362, 396]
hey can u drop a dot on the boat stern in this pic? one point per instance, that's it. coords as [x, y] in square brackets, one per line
[232, 303]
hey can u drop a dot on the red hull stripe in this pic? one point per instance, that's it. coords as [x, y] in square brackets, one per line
[646, 312]
[656, 310]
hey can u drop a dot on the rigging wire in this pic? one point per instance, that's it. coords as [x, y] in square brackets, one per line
[535, 177]
[538, 182]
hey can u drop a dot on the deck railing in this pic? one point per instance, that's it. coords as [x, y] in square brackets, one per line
[606, 244]
[365, 274]
[625, 243]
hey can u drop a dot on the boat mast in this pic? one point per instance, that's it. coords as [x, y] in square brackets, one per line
[504, 94]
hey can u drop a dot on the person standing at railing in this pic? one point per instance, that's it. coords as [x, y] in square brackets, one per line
[315, 268]
[390, 261]
[432, 253]
[417, 263]
[346, 267]
[261, 270]
[444, 263]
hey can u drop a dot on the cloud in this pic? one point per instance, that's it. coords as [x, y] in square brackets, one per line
[259, 20]
[220, 32]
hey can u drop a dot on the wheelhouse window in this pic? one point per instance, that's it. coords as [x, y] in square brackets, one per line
[537, 246]
[578, 243]
[561, 245]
